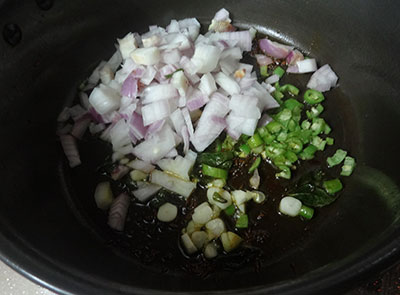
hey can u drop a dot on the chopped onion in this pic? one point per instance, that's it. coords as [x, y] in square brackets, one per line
[146, 56]
[80, 127]
[106, 74]
[197, 99]
[141, 165]
[130, 87]
[274, 49]
[263, 60]
[323, 79]
[118, 212]
[227, 83]
[293, 57]
[136, 126]
[145, 192]
[155, 111]
[180, 82]
[159, 92]
[119, 172]
[137, 175]
[156, 147]
[70, 148]
[180, 166]
[205, 58]
[306, 66]
[127, 45]
[199, 238]
[207, 84]
[104, 99]
[272, 79]
[255, 180]
[172, 183]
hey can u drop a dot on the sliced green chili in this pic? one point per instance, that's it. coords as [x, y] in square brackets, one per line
[214, 172]
[255, 141]
[332, 186]
[292, 104]
[255, 165]
[348, 166]
[242, 221]
[319, 143]
[329, 140]
[315, 111]
[245, 150]
[308, 152]
[294, 144]
[230, 210]
[293, 90]
[285, 172]
[279, 71]
[218, 198]
[337, 158]
[274, 127]
[306, 212]
[264, 71]
[312, 96]
[305, 125]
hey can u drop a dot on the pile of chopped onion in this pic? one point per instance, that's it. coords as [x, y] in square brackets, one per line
[173, 86]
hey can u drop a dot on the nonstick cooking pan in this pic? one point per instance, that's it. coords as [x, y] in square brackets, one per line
[50, 234]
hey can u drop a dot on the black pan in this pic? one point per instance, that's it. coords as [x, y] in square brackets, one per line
[50, 234]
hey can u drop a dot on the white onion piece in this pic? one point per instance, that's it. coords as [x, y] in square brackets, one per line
[167, 212]
[103, 195]
[146, 56]
[148, 75]
[158, 92]
[171, 56]
[76, 112]
[224, 194]
[205, 58]
[172, 153]
[243, 38]
[155, 111]
[323, 79]
[96, 128]
[136, 126]
[274, 49]
[234, 53]
[240, 197]
[80, 127]
[127, 45]
[264, 120]
[154, 128]
[145, 192]
[119, 134]
[177, 120]
[146, 167]
[180, 82]
[245, 106]
[115, 61]
[207, 84]
[293, 57]
[119, 172]
[207, 132]
[104, 99]
[70, 148]
[263, 60]
[180, 166]
[185, 138]
[64, 115]
[156, 147]
[118, 210]
[306, 66]
[272, 79]
[188, 121]
[130, 87]
[196, 100]
[95, 76]
[290, 206]
[106, 74]
[174, 184]
[63, 129]
[229, 65]
[227, 83]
